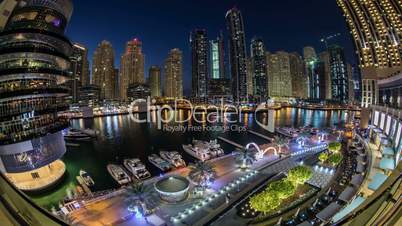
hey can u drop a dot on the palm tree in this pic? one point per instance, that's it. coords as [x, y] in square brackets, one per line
[202, 173]
[245, 158]
[281, 142]
[137, 189]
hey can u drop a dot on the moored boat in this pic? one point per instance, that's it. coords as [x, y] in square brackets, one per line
[173, 157]
[137, 168]
[87, 178]
[159, 162]
[204, 150]
[118, 174]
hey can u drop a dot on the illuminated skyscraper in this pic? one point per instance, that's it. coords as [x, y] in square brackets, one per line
[299, 78]
[249, 70]
[155, 81]
[339, 74]
[199, 62]
[237, 56]
[217, 58]
[317, 79]
[309, 53]
[376, 27]
[131, 67]
[34, 66]
[173, 72]
[325, 58]
[80, 69]
[103, 71]
[259, 68]
[279, 74]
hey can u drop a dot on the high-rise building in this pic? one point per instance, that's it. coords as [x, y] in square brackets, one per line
[80, 69]
[317, 82]
[249, 70]
[351, 84]
[199, 62]
[173, 72]
[103, 71]
[325, 58]
[33, 74]
[219, 88]
[116, 83]
[376, 28]
[131, 67]
[279, 74]
[6, 8]
[339, 74]
[237, 56]
[299, 78]
[217, 58]
[309, 53]
[155, 81]
[259, 68]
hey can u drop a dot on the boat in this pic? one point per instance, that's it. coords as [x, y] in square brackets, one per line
[76, 135]
[173, 157]
[137, 168]
[204, 150]
[118, 174]
[159, 162]
[86, 178]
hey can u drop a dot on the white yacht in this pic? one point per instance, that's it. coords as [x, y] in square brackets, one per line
[76, 135]
[159, 162]
[173, 157]
[118, 173]
[204, 150]
[137, 168]
[87, 178]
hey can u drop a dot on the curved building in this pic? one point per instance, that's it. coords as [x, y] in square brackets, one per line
[34, 65]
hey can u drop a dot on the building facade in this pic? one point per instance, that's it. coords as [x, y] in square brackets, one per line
[138, 91]
[390, 92]
[199, 62]
[279, 74]
[103, 71]
[339, 74]
[80, 70]
[259, 68]
[317, 80]
[173, 72]
[6, 8]
[219, 88]
[217, 58]
[131, 67]
[237, 56]
[376, 28]
[325, 58]
[154, 81]
[33, 74]
[299, 78]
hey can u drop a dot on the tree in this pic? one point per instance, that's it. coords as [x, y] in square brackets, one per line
[335, 159]
[283, 188]
[334, 147]
[202, 173]
[265, 201]
[137, 189]
[281, 142]
[245, 158]
[300, 174]
[323, 157]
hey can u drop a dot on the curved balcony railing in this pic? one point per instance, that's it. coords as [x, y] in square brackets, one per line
[38, 131]
[21, 70]
[33, 49]
[34, 91]
[10, 111]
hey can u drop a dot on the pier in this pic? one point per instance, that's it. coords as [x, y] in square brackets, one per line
[261, 136]
[231, 142]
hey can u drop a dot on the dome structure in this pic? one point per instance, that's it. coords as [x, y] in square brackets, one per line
[172, 188]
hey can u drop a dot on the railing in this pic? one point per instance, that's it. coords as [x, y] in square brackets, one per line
[392, 111]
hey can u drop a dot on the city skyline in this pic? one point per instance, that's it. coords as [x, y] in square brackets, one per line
[277, 36]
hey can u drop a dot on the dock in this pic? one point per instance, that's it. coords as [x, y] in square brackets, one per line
[261, 135]
[231, 142]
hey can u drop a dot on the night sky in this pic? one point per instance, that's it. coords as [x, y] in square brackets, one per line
[162, 25]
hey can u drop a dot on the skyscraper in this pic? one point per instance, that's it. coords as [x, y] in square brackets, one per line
[299, 78]
[376, 28]
[80, 69]
[279, 74]
[317, 82]
[237, 56]
[339, 74]
[309, 53]
[131, 67]
[173, 72]
[155, 81]
[33, 74]
[103, 73]
[217, 58]
[199, 62]
[249, 70]
[325, 58]
[259, 68]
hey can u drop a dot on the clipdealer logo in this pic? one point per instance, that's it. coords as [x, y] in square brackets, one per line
[206, 115]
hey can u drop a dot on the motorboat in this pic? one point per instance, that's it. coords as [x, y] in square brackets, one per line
[118, 174]
[159, 162]
[86, 178]
[137, 168]
[204, 150]
[173, 157]
[76, 135]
